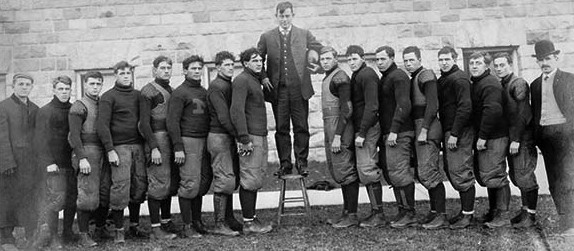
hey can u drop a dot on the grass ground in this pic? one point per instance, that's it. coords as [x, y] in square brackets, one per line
[312, 233]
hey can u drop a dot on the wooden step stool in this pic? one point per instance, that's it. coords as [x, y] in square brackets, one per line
[283, 200]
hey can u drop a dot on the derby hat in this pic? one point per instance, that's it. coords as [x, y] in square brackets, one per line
[544, 48]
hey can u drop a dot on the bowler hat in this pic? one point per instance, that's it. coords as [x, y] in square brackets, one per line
[544, 48]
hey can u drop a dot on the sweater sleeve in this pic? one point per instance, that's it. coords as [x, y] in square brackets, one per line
[42, 139]
[518, 108]
[492, 110]
[219, 103]
[76, 119]
[7, 160]
[402, 91]
[175, 108]
[146, 105]
[343, 86]
[464, 106]
[103, 122]
[239, 95]
[431, 93]
[370, 91]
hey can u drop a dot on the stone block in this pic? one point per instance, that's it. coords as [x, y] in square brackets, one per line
[47, 38]
[59, 50]
[422, 5]
[7, 16]
[41, 26]
[422, 30]
[481, 3]
[5, 59]
[72, 13]
[181, 18]
[125, 10]
[78, 24]
[61, 64]
[471, 14]
[457, 4]
[404, 31]
[402, 6]
[26, 65]
[562, 35]
[201, 17]
[10, 5]
[492, 13]
[317, 138]
[16, 28]
[450, 18]
[53, 14]
[535, 36]
[47, 64]
[28, 15]
[515, 11]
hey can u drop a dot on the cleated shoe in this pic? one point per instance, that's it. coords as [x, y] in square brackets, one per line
[463, 221]
[428, 218]
[257, 227]
[159, 234]
[501, 219]
[376, 219]
[438, 222]
[189, 232]
[221, 228]
[408, 220]
[136, 232]
[170, 227]
[348, 221]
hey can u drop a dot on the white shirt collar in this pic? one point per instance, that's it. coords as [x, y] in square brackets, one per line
[285, 30]
[551, 74]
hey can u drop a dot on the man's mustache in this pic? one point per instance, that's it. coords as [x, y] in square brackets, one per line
[545, 65]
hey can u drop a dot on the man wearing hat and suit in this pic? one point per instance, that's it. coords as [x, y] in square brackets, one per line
[553, 113]
[288, 86]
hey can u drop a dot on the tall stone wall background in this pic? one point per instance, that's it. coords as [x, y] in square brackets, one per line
[48, 38]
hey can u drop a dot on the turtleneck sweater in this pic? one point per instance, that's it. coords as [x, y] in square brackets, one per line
[487, 107]
[364, 98]
[188, 113]
[395, 101]
[248, 112]
[118, 117]
[455, 105]
[219, 102]
[52, 135]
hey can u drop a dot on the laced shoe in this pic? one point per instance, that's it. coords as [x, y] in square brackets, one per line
[463, 221]
[408, 220]
[438, 222]
[376, 219]
[348, 221]
[159, 234]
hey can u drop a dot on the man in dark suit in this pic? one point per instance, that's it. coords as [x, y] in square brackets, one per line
[553, 113]
[288, 85]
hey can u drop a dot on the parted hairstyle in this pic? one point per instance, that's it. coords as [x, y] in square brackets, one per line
[93, 74]
[282, 6]
[122, 65]
[62, 79]
[412, 49]
[160, 59]
[389, 50]
[482, 54]
[222, 56]
[503, 55]
[355, 49]
[447, 50]
[246, 55]
[192, 59]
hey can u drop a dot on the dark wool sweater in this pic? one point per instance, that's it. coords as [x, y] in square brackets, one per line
[487, 107]
[248, 112]
[518, 111]
[395, 101]
[341, 88]
[364, 96]
[219, 101]
[52, 130]
[118, 117]
[427, 84]
[455, 104]
[76, 118]
[150, 99]
[188, 115]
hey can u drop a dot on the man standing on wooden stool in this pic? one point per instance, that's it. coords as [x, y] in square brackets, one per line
[339, 135]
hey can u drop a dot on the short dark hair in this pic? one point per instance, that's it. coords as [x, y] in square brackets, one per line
[223, 55]
[389, 50]
[326, 49]
[62, 79]
[503, 55]
[355, 49]
[192, 59]
[447, 50]
[160, 59]
[122, 65]
[22, 75]
[246, 55]
[481, 54]
[412, 49]
[282, 6]
[93, 74]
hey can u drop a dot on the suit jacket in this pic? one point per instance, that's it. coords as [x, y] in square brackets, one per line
[270, 45]
[563, 92]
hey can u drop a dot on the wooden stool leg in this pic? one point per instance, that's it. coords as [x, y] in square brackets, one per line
[305, 197]
[281, 202]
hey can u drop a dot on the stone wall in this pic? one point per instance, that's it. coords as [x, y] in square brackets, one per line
[52, 37]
